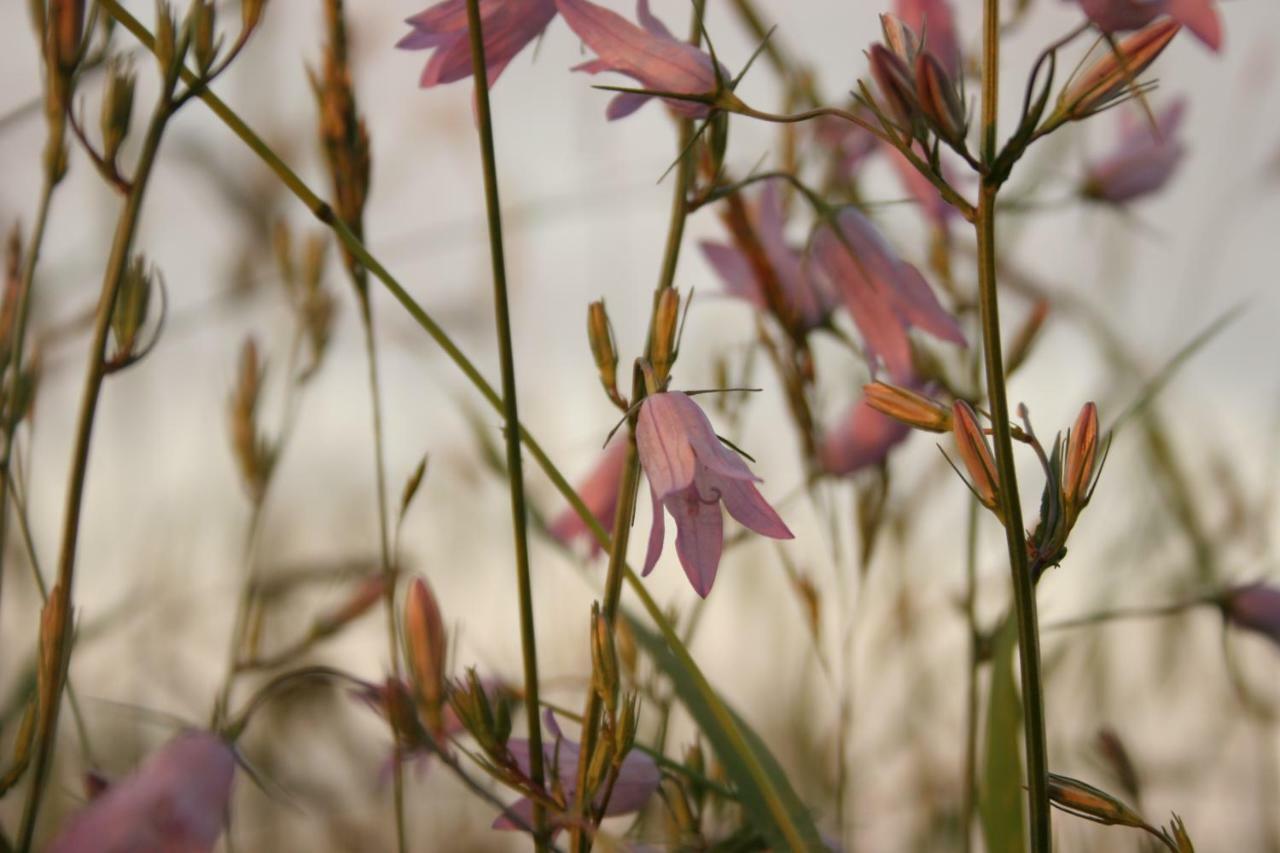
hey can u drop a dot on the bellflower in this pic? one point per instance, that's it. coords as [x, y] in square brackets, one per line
[885, 295]
[1143, 160]
[807, 304]
[690, 472]
[177, 800]
[935, 21]
[600, 493]
[638, 779]
[648, 54]
[508, 26]
[1199, 16]
[862, 438]
[1255, 607]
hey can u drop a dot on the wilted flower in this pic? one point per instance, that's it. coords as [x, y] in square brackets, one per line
[885, 295]
[690, 472]
[807, 304]
[600, 493]
[651, 56]
[935, 22]
[1143, 160]
[508, 26]
[638, 779]
[1254, 607]
[1199, 16]
[177, 800]
[862, 438]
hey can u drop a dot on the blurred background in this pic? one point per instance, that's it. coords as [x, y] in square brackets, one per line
[163, 533]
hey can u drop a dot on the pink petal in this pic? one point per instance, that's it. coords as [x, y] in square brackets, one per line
[599, 492]
[1200, 17]
[811, 305]
[934, 20]
[638, 779]
[699, 537]
[922, 309]
[1116, 15]
[509, 25]
[735, 272]
[863, 438]
[701, 436]
[664, 445]
[657, 532]
[747, 506]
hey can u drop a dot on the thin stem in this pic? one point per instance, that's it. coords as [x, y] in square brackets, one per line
[1024, 593]
[117, 263]
[968, 784]
[1130, 613]
[511, 415]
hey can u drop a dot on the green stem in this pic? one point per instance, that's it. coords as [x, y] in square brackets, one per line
[510, 412]
[1131, 613]
[117, 263]
[1024, 593]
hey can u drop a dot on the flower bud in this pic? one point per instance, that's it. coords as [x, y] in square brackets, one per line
[603, 348]
[907, 406]
[425, 645]
[1082, 452]
[1078, 798]
[975, 453]
[165, 37]
[65, 25]
[666, 322]
[624, 734]
[204, 45]
[625, 643]
[897, 89]
[939, 101]
[250, 14]
[604, 661]
[254, 455]
[899, 38]
[117, 108]
[130, 312]
[1113, 74]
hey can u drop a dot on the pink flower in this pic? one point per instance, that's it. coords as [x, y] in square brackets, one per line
[651, 56]
[850, 143]
[600, 493]
[690, 472]
[886, 295]
[863, 438]
[926, 196]
[508, 26]
[638, 779]
[175, 801]
[1143, 160]
[807, 305]
[934, 20]
[1199, 16]
[1255, 607]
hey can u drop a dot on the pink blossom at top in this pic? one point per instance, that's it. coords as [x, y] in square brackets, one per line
[638, 779]
[885, 295]
[1199, 16]
[508, 26]
[935, 22]
[1143, 160]
[649, 54]
[690, 472]
[175, 801]
[809, 304]
[1255, 607]
[600, 493]
[861, 439]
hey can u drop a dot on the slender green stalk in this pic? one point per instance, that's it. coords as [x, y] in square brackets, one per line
[1024, 593]
[968, 783]
[510, 411]
[117, 263]
[1131, 613]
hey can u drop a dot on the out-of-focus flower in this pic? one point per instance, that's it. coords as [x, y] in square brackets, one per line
[508, 26]
[176, 800]
[933, 19]
[690, 472]
[850, 143]
[1199, 16]
[648, 54]
[1254, 607]
[600, 493]
[862, 438]
[638, 779]
[1142, 161]
[807, 303]
[885, 295]
[926, 196]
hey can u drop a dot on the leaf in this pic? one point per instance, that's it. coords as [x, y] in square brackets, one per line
[411, 486]
[769, 802]
[1000, 794]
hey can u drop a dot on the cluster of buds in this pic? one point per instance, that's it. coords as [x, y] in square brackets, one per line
[918, 91]
[1071, 473]
[254, 454]
[314, 306]
[131, 311]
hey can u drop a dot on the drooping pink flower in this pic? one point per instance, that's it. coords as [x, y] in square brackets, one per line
[600, 493]
[508, 26]
[934, 20]
[175, 801]
[1142, 161]
[648, 54]
[808, 304]
[690, 472]
[926, 196]
[885, 295]
[1199, 16]
[638, 779]
[1254, 607]
[862, 438]
[850, 143]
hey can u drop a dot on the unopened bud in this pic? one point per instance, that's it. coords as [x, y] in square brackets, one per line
[1082, 454]
[939, 101]
[975, 453]
[624, 734]
[604, 660]
[425, 645]
[1084, 800]
[1180, 837]
[905, 405]
[897, 89]
[165, 38]
[132, 301]
[250, 14]
[602, 758]
[117, 107]
[254, 456]
[65, 25]
[625, 643]
[603, 348]
[899, 38]
[204, 45]
[471, 704]
[666, 322]
[1116, 73]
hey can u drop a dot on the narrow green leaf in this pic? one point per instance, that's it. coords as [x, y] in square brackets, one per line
[1001, 797]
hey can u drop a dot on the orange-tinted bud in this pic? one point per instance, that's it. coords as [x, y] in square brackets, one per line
[907, 406]
[1115, 73]
[666, 322]
[425, 645]
[1076, 797]
[899, 38]
[938, 99]
[975, 453]
[1082, 454]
